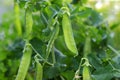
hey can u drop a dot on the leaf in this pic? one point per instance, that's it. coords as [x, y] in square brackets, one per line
[69, 75]
[104, 73]
[50, 72]
[2, 67]
[3, 55]
[94, 61]
[83, 13]
[95, 18]
[116, 74]
[39, 46]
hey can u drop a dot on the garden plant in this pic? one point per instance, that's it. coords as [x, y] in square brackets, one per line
[56, 40]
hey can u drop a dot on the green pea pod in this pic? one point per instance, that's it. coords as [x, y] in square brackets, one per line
[86, 73]
[52, 40]
[29, 23]
[39, 71]
[87, 50]
[17, 19]
[68, 35]
[25, 62]
[87, 46]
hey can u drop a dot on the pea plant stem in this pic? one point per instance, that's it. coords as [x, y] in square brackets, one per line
[112, 49]
[38, 55]
[51, 42]
[53, 55]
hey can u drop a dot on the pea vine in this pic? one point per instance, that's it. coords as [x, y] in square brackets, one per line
[64, 40]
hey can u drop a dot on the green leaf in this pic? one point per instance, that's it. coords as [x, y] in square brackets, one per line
[94, 61]
[2, 67]
[3, 55]
[68, 75]
[104, 73]
[51, 72]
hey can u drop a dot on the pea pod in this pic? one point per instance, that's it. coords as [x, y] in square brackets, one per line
[87, 50]
[87, 46]
[29, 23]
[86, 73]
[68, 35]
[52, 39]
[17, 19]
[39, 71]
[25, 62]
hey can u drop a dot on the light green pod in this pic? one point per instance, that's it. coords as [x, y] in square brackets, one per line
[52, 40]
[87, 46]
[29, 23]
[25, 62]
[86, 73]
[39, 70]
[17, 19]
[68, 35]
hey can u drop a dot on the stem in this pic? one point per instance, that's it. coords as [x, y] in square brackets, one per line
[36, 58]
[38, 54]
[112, 49]
[62, 78]
[76, 77]
[51, 42]
[113, 67]
[46, 21]
[53, 56]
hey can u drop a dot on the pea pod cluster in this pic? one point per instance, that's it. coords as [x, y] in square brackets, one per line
[27, 52]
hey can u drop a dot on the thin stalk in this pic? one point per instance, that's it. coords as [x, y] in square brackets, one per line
[38, 55]
[112, 49]
[53, 56]
[51, 42]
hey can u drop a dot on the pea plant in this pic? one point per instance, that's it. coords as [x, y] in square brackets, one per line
[60, 40]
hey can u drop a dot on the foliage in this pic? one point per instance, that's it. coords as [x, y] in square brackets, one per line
[66, 38]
